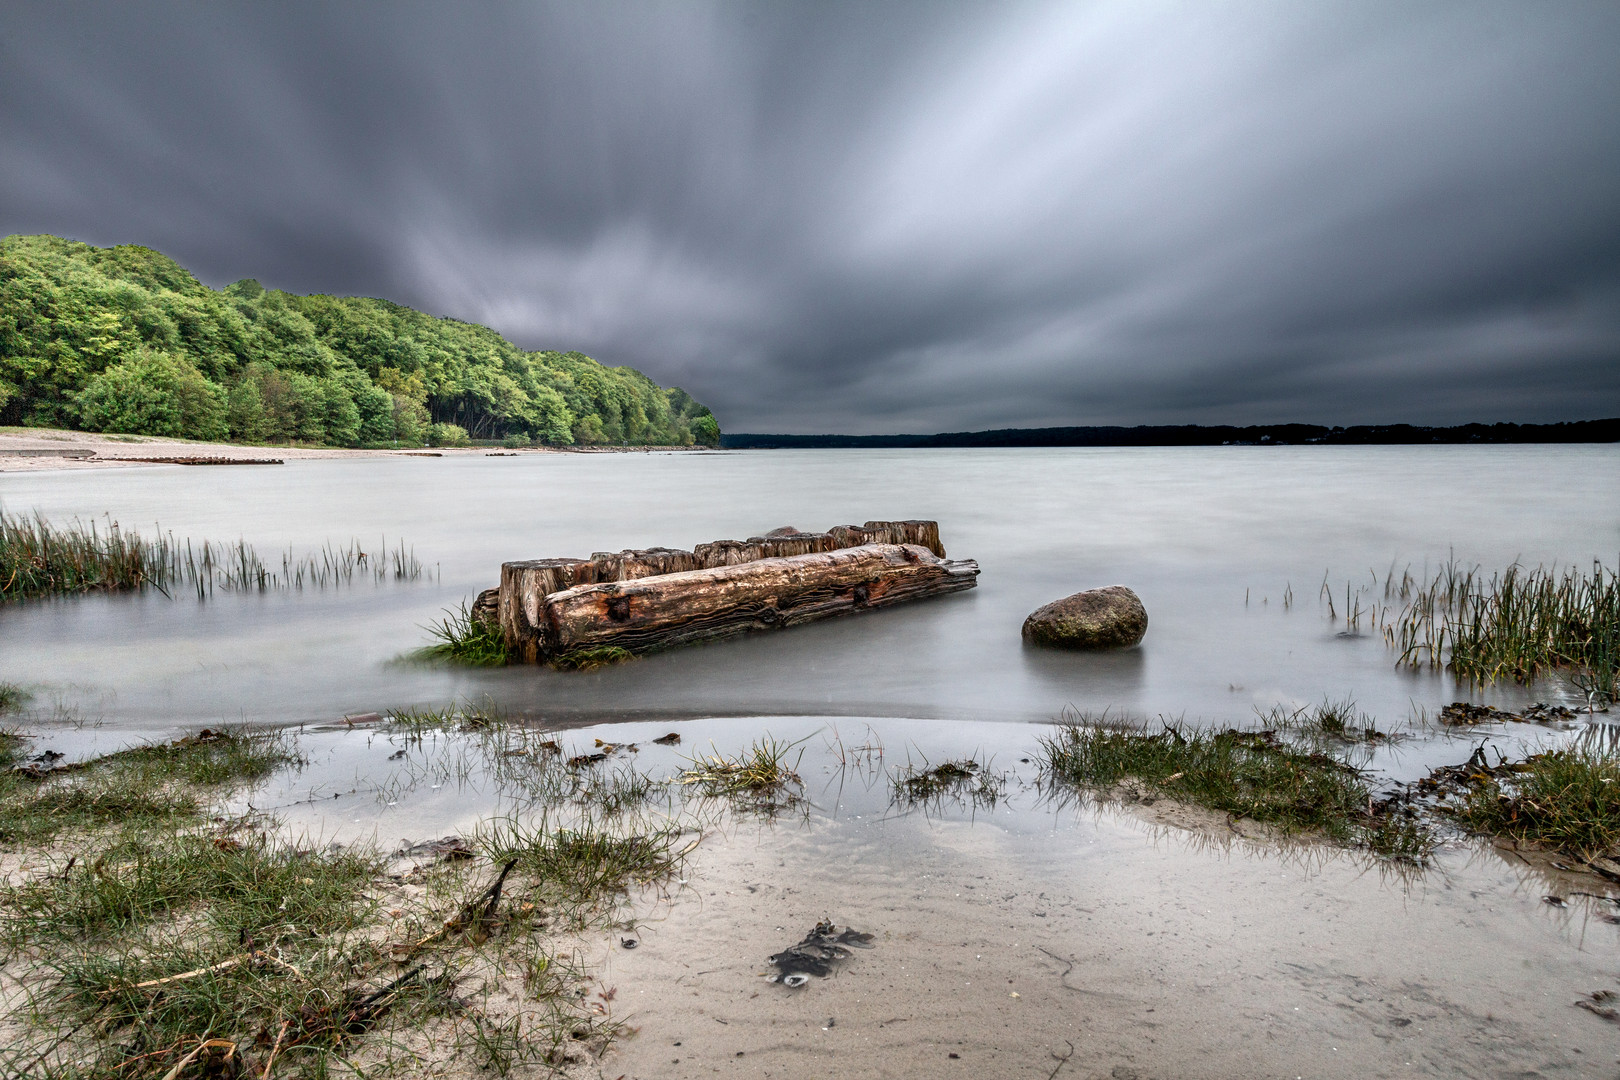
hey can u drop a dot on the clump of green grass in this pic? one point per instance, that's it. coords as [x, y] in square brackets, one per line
[11, 696]
[581, 866]
[1250, 774]
[1327, 723]
[162, 783]
[964, 779]
[39, 559]
[1567, 800]
[244, 883]
[760, 779]
[1518, 625]
[167, 941]
[617, 792]
[463, 638]
[464, 718]
[13, 747]
[591, 658]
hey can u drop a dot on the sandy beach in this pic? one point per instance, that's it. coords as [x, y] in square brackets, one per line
[40, 449]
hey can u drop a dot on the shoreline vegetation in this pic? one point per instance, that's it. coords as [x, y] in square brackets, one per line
[153, 928]
[126, 340]
[150, 930]
[39, 559]
[1519, 625]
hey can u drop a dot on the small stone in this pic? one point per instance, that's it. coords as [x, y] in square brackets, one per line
[1111, 618]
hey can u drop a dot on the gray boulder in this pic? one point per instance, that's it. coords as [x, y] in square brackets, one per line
[1111, 618]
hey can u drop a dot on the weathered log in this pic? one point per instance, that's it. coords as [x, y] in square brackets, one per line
[696, 605]
[524, 587]
[630, 565]
[729, 553]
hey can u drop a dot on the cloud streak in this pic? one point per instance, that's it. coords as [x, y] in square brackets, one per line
[880, 218]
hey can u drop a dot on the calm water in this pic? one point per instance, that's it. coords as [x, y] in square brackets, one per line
[1202, 955]
[1211, 538]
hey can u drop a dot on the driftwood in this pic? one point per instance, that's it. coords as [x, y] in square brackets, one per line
[676, 609]
[536, 629]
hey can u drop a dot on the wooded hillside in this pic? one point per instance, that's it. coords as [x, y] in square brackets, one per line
[124, 339]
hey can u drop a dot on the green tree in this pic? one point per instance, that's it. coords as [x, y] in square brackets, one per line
[706, 430]
[443, 434]
[154, 393]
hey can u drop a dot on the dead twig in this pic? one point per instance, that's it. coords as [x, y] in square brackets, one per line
[479, 909]
[212, 969]
[1061, 1061]
[275, 1049]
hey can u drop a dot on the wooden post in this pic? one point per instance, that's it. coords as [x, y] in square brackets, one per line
[524, 587]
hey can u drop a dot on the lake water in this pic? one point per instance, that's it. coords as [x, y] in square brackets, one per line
[1211, 538]
[1010, 934]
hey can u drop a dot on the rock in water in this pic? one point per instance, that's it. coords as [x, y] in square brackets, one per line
[1111, 618]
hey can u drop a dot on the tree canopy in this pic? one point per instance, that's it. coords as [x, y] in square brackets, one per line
[125, 339]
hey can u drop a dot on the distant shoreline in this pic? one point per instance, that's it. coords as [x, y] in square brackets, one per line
[1579, 431]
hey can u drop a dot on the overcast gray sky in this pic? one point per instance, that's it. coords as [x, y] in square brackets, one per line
[887, 217]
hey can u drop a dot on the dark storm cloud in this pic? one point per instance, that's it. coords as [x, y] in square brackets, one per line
[887, 217]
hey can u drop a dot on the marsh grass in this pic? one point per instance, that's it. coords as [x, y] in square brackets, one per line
[12, 697]
[1255, 775]
[758, 780]
[965, 780]
[239, 953]
[464, 718]
[616, 792]
[461, 638]
[1567, 800]
[40, 559]
[153, 941]
[146, 785]
[1327, 724]
[243, 883]
[1520, 625]
[236, 935]
[580, 866]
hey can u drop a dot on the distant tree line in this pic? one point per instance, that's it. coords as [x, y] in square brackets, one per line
[1573, 431]
[124, 339]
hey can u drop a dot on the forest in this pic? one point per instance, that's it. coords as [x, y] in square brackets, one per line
[124, 339]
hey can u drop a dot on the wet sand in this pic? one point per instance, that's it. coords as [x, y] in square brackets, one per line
[1153, 941]
[1130, 952]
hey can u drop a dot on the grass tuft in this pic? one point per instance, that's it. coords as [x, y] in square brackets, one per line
[12, 696]
[1518, 625]
[1250, 774]
[965, 780]
[162, 783]
[759, 780]
[1567, 800]
[582, 866]
[462, 638]
[1330, 723]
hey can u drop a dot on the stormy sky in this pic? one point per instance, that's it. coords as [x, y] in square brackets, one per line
[887, 217]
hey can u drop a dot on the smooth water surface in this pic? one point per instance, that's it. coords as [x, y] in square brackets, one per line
[1213, 539]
